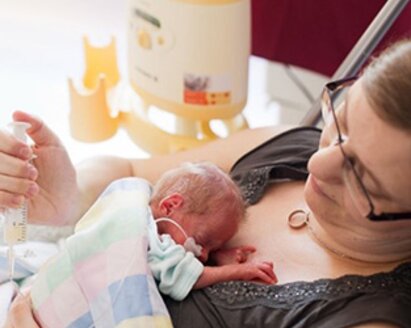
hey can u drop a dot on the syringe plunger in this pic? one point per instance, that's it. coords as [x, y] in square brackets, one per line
[16, 218]
[19, 130]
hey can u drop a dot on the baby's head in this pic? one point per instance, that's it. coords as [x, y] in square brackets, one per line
[203, 200]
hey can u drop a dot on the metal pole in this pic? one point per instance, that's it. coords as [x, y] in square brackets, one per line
[361, 51]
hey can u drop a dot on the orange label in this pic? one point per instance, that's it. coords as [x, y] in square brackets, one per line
[206, 98]
[195, 97]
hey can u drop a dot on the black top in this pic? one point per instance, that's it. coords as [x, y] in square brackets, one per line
[283, 157]
[342, 302]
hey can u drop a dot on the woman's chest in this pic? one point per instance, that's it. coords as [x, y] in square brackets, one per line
[295, 253]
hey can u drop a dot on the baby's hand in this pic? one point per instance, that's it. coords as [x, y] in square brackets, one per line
[248, 271]
[232, 255]
[257, 271]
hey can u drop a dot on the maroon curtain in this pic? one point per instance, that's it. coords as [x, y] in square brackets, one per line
[316, 34]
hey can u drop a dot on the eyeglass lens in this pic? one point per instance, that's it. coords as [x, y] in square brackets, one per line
[351, 178]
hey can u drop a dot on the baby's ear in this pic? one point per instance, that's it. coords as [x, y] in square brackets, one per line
[171, 203]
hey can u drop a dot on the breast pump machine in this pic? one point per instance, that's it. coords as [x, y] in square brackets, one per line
[186, 58]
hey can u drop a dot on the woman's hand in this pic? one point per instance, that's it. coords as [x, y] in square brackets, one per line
[48, 183]
[20, 315]
[231, 255]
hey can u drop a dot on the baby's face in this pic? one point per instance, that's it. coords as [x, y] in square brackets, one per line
[212, 233]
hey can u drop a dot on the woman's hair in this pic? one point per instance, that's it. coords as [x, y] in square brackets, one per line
[205, 187]
[387, 83]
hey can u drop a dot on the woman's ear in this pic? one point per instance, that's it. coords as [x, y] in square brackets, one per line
[171, 203]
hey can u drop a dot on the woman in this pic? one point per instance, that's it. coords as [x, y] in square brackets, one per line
[341, 241]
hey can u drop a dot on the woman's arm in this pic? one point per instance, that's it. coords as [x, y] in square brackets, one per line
[95, 174]
[59, 193]
[222, 152]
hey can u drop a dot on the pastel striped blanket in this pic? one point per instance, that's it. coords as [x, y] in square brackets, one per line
[101, 278]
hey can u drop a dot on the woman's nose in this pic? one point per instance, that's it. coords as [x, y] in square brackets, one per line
[327, 164]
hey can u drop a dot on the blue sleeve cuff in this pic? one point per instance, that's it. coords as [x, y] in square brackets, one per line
[191, 269]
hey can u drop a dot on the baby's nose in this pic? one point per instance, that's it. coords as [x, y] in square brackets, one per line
[204, 255]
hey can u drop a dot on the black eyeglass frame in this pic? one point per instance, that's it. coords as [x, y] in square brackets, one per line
[329, 91]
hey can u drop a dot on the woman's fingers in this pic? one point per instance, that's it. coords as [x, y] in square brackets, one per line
[17, 174]
[38, 132]
[16, 167]
[20, 315]
[8, 200]
[14, 147]
[13, 190]
[17, 181]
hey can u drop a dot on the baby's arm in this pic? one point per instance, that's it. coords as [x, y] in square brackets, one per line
[232, 255]
[248, 271]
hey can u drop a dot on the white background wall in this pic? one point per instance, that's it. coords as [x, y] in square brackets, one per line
[41, 46]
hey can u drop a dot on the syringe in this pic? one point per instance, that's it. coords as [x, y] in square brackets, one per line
[15, 223]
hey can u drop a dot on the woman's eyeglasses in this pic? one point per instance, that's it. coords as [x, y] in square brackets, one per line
[359, 194]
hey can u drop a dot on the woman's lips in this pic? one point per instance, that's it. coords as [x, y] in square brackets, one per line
[316, 187]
